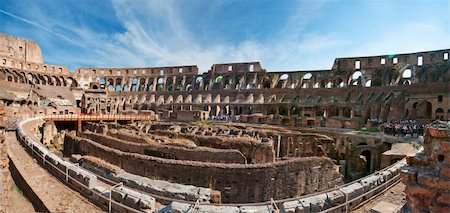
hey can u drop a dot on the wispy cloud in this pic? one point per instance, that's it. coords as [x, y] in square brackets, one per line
[162, 33]
[36, 24]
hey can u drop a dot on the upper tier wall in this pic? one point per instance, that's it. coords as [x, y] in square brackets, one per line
[20, 48]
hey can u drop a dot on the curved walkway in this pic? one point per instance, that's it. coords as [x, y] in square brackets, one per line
[55, 196]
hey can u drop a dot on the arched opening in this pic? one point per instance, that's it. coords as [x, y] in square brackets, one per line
[407, 73]
[266, 83]
[356, 75]
[407, 82]
[429, 108]
[366, 156]
[316, 85]
[251, 68]
[198, 82]
[282, 81]
[160, 85]
[133, 85]
[307, 76]
[141, 84]
[218, 80]
[377, 82]
[439, 113]
[118, 88]
[188, 87]
[102, 81]
[283, 111]
[150, 87]
[170, 87]
[368, 83]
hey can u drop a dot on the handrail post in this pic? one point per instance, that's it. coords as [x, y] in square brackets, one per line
[346, 203]
[110, 193]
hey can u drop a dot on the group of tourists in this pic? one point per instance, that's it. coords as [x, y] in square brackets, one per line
[403, 128]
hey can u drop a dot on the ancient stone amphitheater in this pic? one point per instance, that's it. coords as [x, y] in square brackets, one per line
[235, 138]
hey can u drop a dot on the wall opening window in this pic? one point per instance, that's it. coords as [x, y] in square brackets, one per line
[445, 56]
[357, 64]
[383, 61]
[440, 98]
[251, 68]
[419, 61]
[180, 70]
[395, 60]
[230, 68]
[161, 72]
[407, 73]
[20, 49]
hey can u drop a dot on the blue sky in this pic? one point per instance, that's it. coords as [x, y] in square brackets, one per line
[282, 35]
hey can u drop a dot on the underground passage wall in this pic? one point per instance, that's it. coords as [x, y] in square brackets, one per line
[237, 182]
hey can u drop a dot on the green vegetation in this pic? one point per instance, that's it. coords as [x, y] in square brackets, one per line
[367, 131]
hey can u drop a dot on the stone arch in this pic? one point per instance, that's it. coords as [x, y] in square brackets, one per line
[377, 82]
[160, 84]
[439, 113]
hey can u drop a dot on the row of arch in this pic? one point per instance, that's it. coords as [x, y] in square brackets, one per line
[211, 98]
[37, 78]
[244, 81]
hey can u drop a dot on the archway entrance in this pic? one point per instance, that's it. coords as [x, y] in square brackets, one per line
[367, 157]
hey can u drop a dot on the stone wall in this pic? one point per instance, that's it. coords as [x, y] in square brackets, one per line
[237, 182]
[203, 154]
[19, 48]
[427, 176]
[5, 177]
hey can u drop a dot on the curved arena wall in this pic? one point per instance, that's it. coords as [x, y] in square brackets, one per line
[237, 182]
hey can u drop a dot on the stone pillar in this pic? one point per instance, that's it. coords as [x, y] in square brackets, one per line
[145, 84]
[174, 83]
[183, 83]
[155, 84]
[427, 175]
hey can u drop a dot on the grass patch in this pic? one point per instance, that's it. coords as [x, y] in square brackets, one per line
[367, 131]
[204, 122]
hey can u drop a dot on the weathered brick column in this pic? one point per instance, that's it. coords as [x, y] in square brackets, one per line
[427, 176]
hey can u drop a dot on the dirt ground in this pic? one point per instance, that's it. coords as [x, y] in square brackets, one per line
[20, 202]
[394, 195]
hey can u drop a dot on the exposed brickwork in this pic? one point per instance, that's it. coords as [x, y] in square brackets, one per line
[427, 176]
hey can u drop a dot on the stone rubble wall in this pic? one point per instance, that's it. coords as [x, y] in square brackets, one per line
[203, 154]
[427, 176]
[5, 177]
[237, 182]
[78, 178]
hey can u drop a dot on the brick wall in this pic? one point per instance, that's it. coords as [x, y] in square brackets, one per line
[427, 176]
[237, 182]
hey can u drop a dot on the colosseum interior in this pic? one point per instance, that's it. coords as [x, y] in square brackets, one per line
[236, 138]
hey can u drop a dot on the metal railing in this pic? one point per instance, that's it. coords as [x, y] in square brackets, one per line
[68, 179]
[99, 117]
[386, 184]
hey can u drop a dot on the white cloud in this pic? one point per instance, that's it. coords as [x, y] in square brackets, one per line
[36, 24]
[155, 34]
